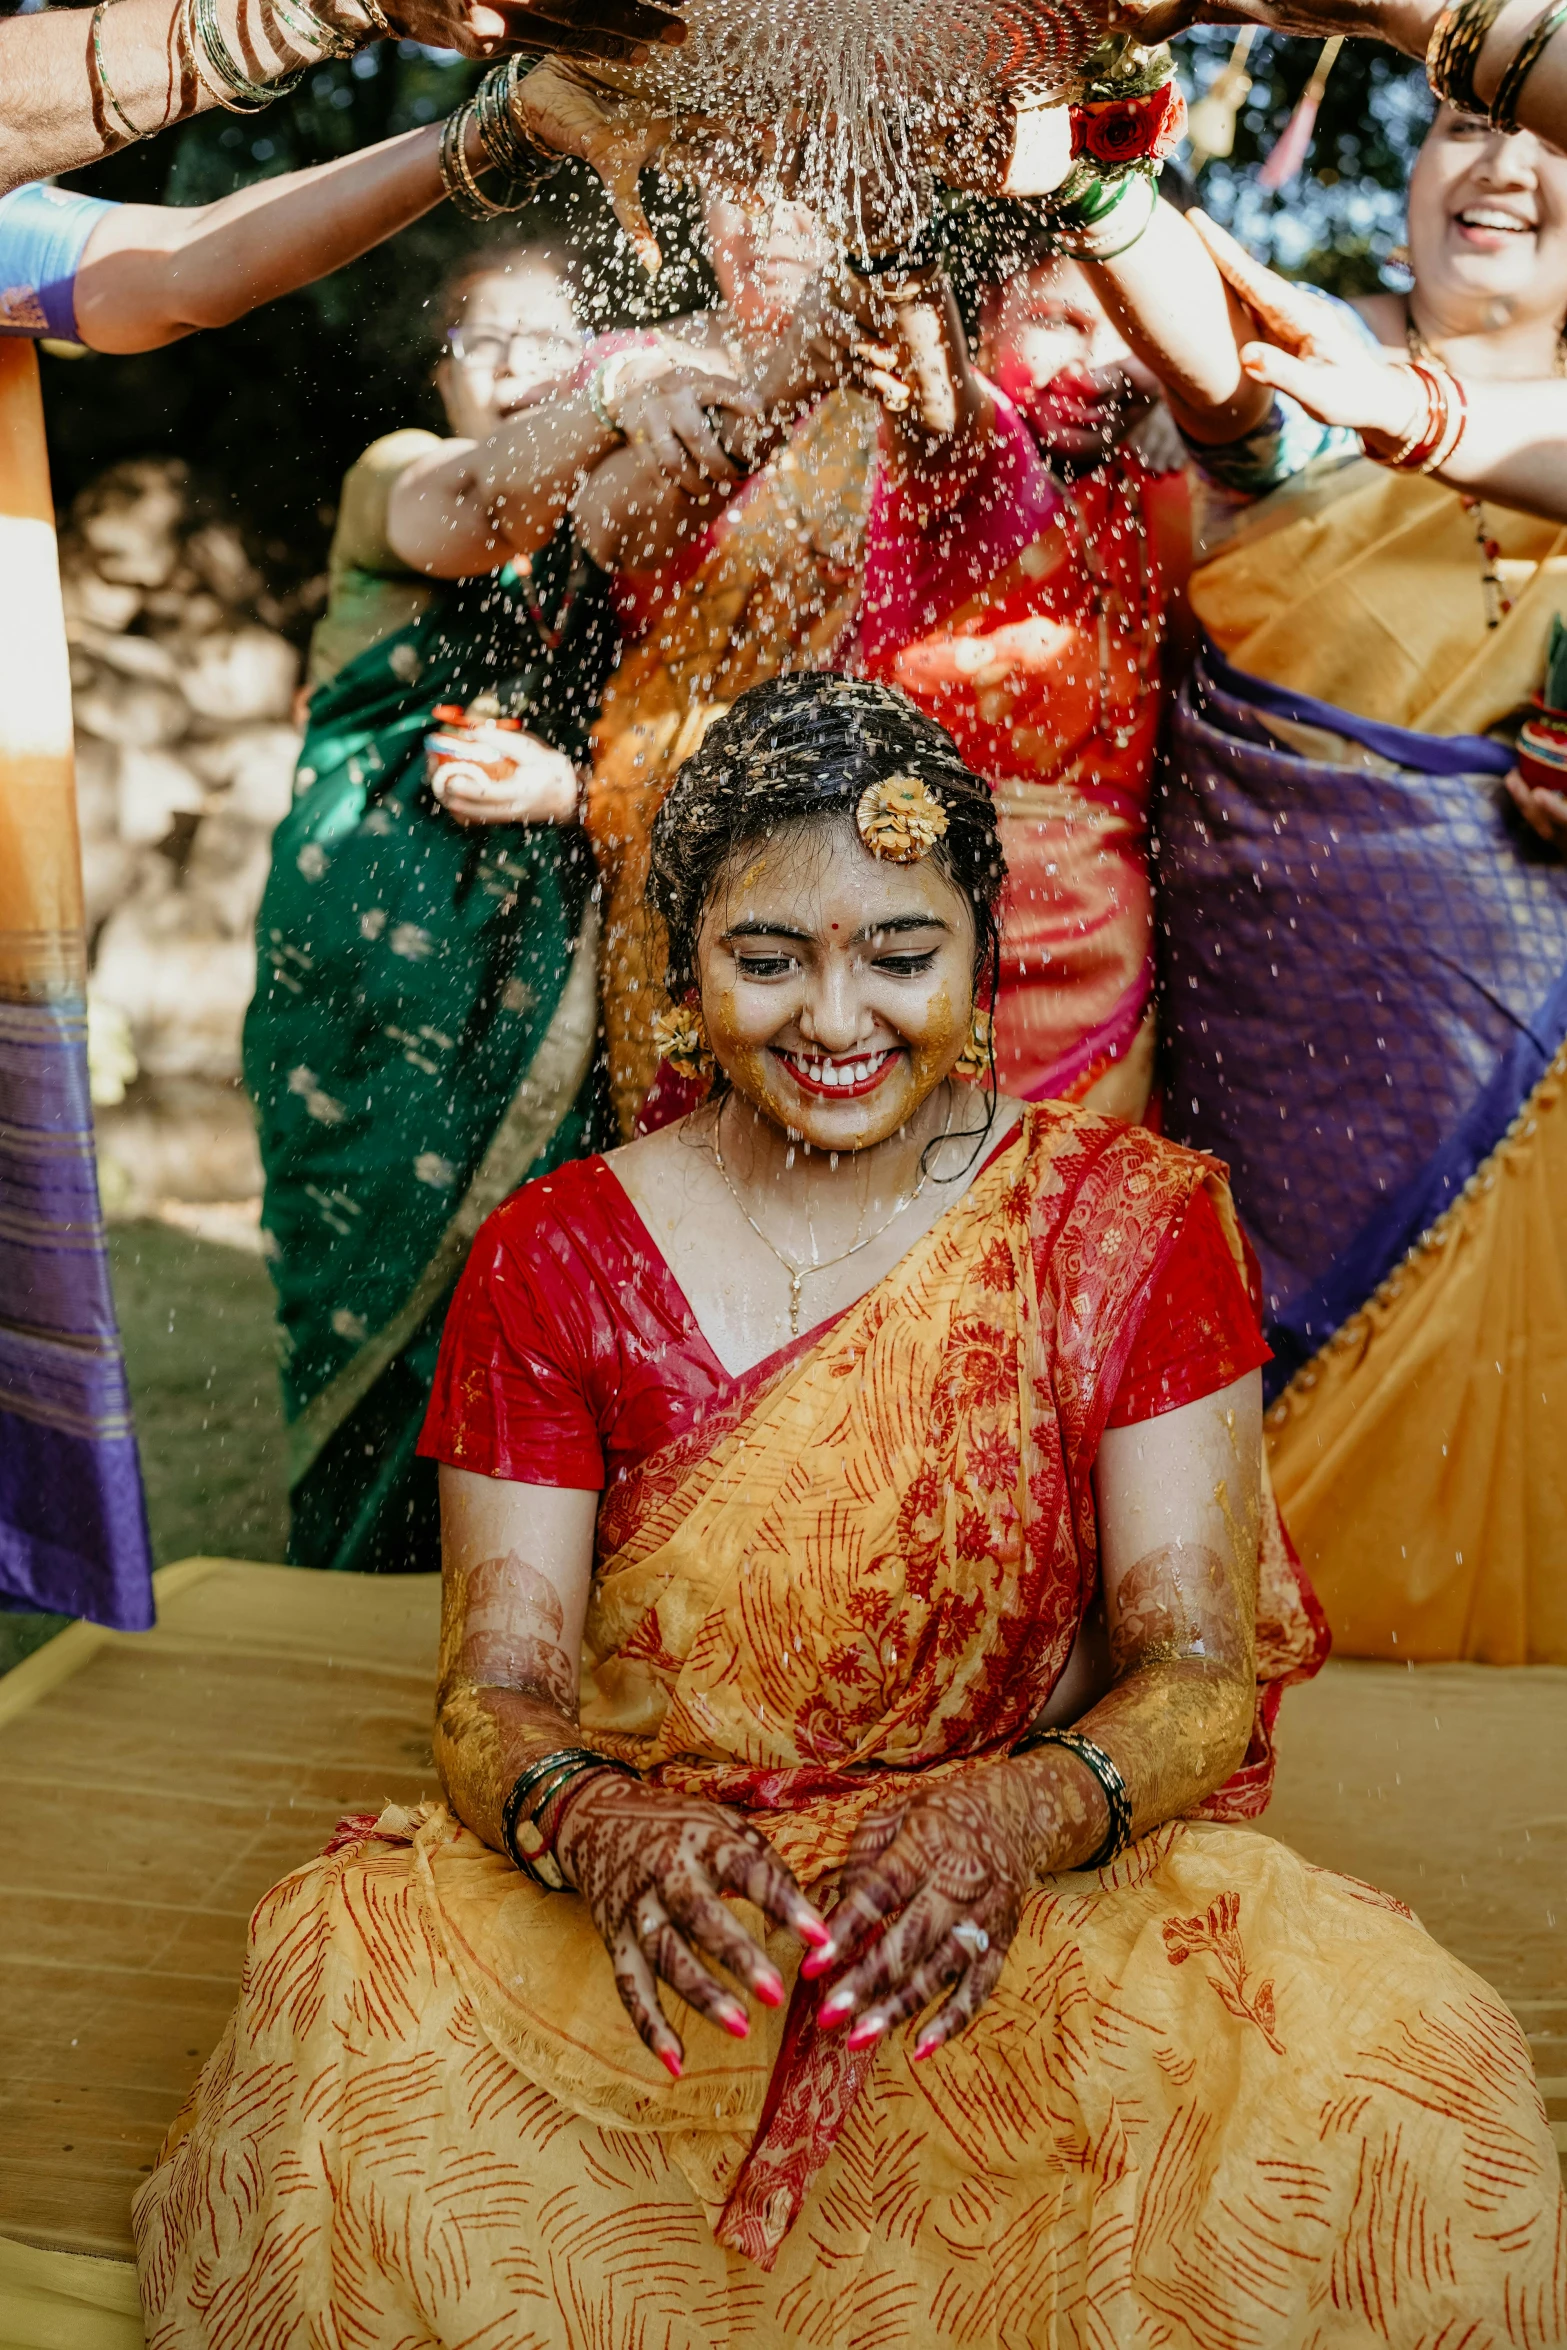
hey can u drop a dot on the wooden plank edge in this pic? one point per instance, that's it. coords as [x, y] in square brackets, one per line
[49, 1667]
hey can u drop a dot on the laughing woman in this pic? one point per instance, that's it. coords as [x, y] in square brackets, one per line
[1366, 940]
[807, 1468]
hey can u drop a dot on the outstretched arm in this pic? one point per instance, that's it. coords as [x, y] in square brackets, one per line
[1406, 25]
[516, 1565]
[470, 505]
[1166, 295]
[152, 273]
[1178, 1519]
[56, 112]
[937, 413]
[1514, 443]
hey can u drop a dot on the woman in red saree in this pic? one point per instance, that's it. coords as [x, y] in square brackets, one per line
[1029, 538]
[808, 1467]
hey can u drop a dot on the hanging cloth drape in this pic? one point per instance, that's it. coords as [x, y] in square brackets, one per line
[73, 1524]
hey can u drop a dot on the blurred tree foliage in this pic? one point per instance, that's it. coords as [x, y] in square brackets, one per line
[272, 411]
[1337, 223]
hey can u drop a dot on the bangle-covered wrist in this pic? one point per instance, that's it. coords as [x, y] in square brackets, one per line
[1118, 1802]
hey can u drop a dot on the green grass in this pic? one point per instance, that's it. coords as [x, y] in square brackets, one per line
[197, 1323]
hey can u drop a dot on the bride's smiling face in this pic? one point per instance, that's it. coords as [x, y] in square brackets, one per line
[837, 988]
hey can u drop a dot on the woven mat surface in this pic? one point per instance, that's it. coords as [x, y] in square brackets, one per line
[154, 1788]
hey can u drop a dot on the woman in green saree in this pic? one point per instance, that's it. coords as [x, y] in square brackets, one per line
[424, 1034]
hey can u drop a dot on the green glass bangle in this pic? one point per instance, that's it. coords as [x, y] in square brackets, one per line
[231, 87]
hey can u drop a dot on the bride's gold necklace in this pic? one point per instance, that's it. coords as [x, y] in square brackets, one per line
[1497, 601]
[798, 1273]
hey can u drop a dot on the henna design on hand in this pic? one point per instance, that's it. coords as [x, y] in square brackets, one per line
[651, 1865]
[948, 1875]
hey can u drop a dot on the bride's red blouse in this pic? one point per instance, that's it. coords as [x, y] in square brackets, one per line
[571, 1355]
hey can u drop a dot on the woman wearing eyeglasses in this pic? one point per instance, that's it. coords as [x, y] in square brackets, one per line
[425, 1028]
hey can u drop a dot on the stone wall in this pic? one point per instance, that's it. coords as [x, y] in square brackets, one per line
[184, 687]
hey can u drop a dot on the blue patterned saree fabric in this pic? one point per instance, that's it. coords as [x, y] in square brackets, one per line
[1364, 964]
[73, 1526]
[43, 234]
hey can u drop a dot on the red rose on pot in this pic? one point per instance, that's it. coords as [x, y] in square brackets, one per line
[1131, 130]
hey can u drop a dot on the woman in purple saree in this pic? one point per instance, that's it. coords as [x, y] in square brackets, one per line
[1363, 937]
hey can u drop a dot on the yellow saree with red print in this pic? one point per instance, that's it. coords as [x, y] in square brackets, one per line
[1218, 2101]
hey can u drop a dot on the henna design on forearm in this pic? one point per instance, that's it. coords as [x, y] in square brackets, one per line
[506, 1692]
[650, 1865]
[952, 1869]
[511, 1632]
[1182, 1643]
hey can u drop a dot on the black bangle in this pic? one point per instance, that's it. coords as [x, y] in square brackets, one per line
[902, 261]
[1117, 1802]
[1504, 106]
[542, 1780]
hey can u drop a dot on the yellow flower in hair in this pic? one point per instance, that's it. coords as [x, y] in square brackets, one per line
[900, 819]
[680, 1038]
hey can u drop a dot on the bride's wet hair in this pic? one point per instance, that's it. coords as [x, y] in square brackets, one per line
[799, 752]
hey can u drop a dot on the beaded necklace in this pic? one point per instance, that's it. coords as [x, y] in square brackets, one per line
[1494, 596]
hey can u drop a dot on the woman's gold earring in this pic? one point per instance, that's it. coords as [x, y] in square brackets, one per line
[680, 1038]
[974, 1060]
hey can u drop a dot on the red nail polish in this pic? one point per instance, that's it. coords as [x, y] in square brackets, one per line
[769, 1991]
[924, 2048]
[864, 2032]
[671, 2062]
[813, 1931]
[832, 2011]
[735, 2025]
[814, 1963]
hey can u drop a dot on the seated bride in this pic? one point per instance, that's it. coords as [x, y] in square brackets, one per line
[864, 1622]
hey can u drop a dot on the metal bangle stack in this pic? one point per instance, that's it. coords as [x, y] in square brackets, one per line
[231, 86]
[1504, 106]
[492, 113]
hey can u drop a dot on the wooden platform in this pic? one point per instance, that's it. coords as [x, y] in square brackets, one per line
[151, 1798]
[155, 1786]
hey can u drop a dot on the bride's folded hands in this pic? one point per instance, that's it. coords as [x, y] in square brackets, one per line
[652, 1866]
[941, 1880]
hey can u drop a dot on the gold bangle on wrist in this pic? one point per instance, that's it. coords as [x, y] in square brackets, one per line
[104, 83]
[1453, 52]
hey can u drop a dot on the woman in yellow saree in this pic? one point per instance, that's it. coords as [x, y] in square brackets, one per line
[1364, 940]
[782, 1503]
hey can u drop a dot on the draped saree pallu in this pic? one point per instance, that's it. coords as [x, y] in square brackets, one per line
[1028, 619]
[1366, 977]
[1217, 2099]
[73, 1525]
[424, 1034]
